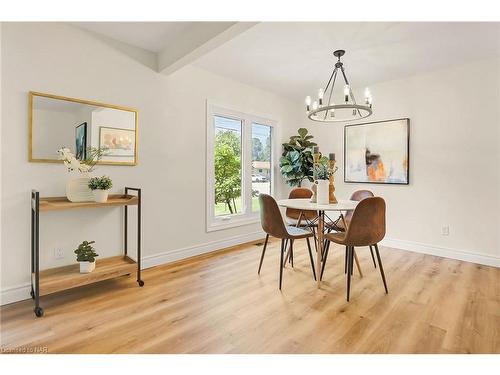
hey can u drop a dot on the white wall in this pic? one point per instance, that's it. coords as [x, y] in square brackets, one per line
[454, 161]
[54, 58]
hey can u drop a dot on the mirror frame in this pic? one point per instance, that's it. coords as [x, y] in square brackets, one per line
[32, 94]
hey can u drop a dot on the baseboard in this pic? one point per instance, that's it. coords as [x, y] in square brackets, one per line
[191, 251]
[15, 294]
[444, 252]
[22, 292]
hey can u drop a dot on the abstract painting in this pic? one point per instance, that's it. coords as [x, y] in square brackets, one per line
[377, 152]
[81, 141]
[117, 142]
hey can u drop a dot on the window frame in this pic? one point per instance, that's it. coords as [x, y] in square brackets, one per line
[247, 216]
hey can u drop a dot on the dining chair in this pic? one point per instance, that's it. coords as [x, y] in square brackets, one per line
[301, 218]
[366, 228]
[272, 223]
[339, 226]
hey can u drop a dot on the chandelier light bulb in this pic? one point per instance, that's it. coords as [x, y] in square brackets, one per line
[315, 105]
[347, 91]
[308, 103]
[321, 93]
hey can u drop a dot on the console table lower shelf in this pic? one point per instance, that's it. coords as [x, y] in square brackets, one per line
[61, 278]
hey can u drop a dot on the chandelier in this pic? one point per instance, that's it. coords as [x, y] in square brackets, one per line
[348, 109]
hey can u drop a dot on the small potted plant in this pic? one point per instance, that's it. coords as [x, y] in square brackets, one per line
[100, 187]
[85, 254]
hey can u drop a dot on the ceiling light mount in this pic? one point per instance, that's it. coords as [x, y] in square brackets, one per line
[349, 110]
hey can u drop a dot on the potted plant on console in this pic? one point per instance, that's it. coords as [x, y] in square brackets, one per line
[100, 188]
[85, 254]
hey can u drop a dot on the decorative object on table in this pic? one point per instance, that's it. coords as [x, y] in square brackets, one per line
[322, 182]
[81, 141]
[85, 255]
[77, 189]
[100, 188]
[349, 110]
[319, 165]
[377, 152]
[296, 162]
[117, 142]
[331, 171]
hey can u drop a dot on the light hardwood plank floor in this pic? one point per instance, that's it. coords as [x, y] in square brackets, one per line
[218, 304]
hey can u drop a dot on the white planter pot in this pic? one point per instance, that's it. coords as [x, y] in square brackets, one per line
[87, 267]
[100, 196]
[322, 191]
[77, 189]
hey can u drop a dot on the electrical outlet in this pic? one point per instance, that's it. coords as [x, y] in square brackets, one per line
[58, 253]
[445, 230]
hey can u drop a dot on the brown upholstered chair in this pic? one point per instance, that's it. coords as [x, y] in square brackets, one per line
[293, 215]
[272, 223]
[338, 225]
[366, 228]
[357, 196]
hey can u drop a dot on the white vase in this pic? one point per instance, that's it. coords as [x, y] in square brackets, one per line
[87, 267]
[322, 191]
[100, 196]
[77, 189]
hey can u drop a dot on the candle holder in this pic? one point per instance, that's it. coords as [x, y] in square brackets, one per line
[331, 188]
[314, 187]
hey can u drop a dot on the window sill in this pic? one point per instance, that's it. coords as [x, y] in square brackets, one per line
[220, 224]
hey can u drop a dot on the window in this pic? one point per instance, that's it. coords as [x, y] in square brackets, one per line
[239, 166]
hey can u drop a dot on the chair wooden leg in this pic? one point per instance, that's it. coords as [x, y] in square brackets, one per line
[373, 258]
[325, 257]
[381, 268]
[311, 258]
[263, 252]
[349, 270]
[281, 260]
[291, 252]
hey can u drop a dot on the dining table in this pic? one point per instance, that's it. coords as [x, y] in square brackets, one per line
[305, 204]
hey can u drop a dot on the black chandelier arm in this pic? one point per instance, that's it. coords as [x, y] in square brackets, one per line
[331, 90]
[351, 94]
[330, 80]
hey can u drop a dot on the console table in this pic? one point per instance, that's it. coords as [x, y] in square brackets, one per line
[61, 278]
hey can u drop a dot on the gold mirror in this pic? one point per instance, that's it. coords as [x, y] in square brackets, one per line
[57, 121]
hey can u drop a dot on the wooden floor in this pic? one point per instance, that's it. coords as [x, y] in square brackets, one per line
[219, 304]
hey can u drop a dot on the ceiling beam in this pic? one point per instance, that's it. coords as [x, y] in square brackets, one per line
[197, 42]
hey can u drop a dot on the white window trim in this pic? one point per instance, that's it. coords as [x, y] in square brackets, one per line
[247, 216]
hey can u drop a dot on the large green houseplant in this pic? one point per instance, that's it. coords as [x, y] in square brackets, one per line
[296, 162]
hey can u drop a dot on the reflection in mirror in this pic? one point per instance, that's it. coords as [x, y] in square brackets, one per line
[79, 125]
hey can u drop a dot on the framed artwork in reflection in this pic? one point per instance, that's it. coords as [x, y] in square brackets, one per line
[81, 141]
[117, 142]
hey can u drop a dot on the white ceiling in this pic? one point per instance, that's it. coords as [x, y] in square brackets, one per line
[295, 59]
[151, 36]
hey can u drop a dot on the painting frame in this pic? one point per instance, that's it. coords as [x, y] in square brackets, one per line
[406, 143]
[106, 128]
[81, 153]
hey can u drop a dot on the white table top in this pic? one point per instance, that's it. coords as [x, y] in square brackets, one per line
[305, 204]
